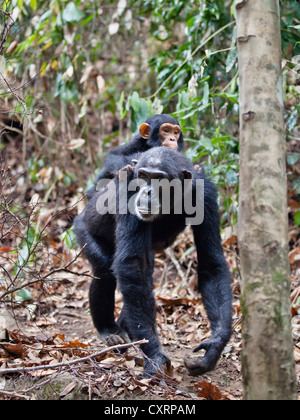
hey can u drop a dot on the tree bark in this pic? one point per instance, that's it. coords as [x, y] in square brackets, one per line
[268, 365]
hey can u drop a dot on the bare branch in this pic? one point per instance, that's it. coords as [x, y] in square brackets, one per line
[72, 362]
[43, 278]
[9, 22]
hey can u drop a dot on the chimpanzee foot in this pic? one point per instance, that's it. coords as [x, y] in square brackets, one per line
[156, 364]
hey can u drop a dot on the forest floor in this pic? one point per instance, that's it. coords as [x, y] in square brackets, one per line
[61, 331]
[48, 346]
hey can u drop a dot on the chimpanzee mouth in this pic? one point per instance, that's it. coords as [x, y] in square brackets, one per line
[146, 215]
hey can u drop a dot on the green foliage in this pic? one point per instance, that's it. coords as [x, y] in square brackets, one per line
[297, 218]
[138, 58]
[72, 14]
[69, 238]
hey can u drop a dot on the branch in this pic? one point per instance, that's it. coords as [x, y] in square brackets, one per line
[13, 395]
[65, 268]
[55, 270]
[8, 24]
[72, 362]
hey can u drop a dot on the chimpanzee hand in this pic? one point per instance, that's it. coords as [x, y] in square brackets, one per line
[128, 169]
[114, 338]
[213, 347]
[155, 364]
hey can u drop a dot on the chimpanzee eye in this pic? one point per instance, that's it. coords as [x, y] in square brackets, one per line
[166, 130]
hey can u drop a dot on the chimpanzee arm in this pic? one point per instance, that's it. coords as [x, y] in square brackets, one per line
[214, 283]
[133, 268]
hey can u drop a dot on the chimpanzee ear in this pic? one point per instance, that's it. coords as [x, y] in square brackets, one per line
[145, 130]
[187, 174]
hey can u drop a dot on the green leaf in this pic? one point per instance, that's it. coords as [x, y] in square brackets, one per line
[207, 144]
[293, 158]
[231, 177]
[45, 16]
[205, 94]
[190, 114]
[87, 20]
[297, 218]
[135, 101]
[69, 237]
[121, 107]
[2, 64]
[24, 295]
[72, 13]
[142, 114]
[231, 60]
[292, 120]
[33, 4]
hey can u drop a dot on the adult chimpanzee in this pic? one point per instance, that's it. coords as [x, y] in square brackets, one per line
[158, 130]
[120, 248]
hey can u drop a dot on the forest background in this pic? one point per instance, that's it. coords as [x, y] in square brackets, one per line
[77, 79]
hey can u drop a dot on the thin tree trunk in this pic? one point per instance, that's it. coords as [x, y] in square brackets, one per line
[268, 365]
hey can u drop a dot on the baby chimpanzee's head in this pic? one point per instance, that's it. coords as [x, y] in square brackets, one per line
[162, 130]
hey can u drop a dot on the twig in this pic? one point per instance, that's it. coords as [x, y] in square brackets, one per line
[5, 208]
[65, 268]
[7, 127]
[170, 254]
[43, 278]
[20, 100]
[6, 29]
[13, 394]
[72, 362]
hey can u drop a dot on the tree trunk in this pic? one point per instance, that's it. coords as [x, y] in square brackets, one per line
[268, 365]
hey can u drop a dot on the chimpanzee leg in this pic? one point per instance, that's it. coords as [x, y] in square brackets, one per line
[102, 289]
[215, 287]
[133, 267]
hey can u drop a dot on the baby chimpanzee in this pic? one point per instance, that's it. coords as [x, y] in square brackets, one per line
[158, 130]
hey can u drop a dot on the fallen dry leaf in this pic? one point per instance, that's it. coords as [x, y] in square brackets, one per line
[294, 205]
[294, 256]
[14, 350]
[163, 301]
[297, 355]
[6, 249]
[209, 392]
[69, 388]
[75, 144]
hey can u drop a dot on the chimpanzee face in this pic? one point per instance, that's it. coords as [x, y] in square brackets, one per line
[169, 135]
[162, 130]
[148, 202]
[161, 185]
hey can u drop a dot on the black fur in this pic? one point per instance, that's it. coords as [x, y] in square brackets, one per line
[121, 250]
